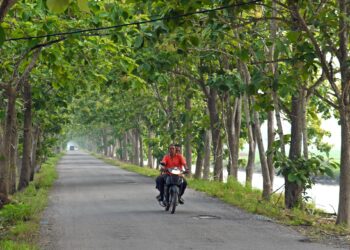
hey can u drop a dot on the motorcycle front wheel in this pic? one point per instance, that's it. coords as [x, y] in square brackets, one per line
[173, 201]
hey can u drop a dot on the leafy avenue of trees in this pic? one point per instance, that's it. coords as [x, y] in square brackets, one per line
[128, 86]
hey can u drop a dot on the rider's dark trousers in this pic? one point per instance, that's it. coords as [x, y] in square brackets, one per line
[160, 183]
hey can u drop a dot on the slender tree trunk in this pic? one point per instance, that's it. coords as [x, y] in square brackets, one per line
[304, 125]
[250, 127]
[105, 142]
[264, 167]
[251, 158]
[141, 150]
[13, 157]
[150, 163]
[35, 146]
[27, 137]
[188, 136]
[200, 155]
[10, 116]
[125, 147]
[136, 154]
[207, 146]
[227, 117]
[216, 135]
[270, 140]
[233, 126]
[251, 142]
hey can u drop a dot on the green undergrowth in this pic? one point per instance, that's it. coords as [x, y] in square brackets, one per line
[310, 221]
[20, 220]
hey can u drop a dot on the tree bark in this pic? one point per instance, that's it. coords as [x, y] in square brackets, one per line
[200, 155]
[9, 123]
[206, 164]
[216, 135]
[150, 162]
[141, 150]
[270, 140]
[233, 127]
[35, 146]
[188, 137]
[292, 189]
[27, 137]
[136, 154]
[125, 147]
[344, 181]
[264, 167]
[344, 103]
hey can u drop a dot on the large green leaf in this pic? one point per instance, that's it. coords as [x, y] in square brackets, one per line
[57, 6]
[139, 41]
[83, 5]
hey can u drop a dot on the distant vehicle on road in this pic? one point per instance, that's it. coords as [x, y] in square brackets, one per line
[71, 148]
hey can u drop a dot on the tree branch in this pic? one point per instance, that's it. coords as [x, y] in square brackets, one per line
[311, 90]
[160, 99]
[4, 8]
[28, 69]
[295, 12]
[330, 103]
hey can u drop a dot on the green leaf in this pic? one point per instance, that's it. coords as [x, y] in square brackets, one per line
[194, 40]
[57, 6]
[329, 172]
[293, 36]
[139, 41]
[2, 36]
[83, 5]
[292, 177]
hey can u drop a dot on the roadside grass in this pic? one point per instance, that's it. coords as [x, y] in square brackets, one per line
[312, 222]
[20, 220]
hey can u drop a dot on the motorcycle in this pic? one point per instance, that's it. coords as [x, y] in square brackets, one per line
[172, 188]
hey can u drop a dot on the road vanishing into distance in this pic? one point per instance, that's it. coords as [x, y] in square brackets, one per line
[94, 205]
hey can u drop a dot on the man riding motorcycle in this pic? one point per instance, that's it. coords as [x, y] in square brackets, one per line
[170, 160]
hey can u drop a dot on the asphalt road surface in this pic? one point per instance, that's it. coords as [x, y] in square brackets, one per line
[94, 205]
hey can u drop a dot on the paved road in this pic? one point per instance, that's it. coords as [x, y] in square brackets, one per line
[97, 206]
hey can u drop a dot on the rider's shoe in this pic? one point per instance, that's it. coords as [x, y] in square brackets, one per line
[181, 200]
[158, 197]
[162, 203]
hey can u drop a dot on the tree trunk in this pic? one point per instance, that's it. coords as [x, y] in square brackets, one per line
[188, 137]
[251, 158]
[136, 155]
[292, 189]
[150, 162]
[200, 155]
[141, 150]
[344, 104]
[206, 164]
[216, 135]
[10, 118]
[264, 168]
[105, 142]
[233, 127]
[13, 157]
[125, 147]
[251, 142]
[35, 146]
[344, 181]
[270, 140]
[27, 137]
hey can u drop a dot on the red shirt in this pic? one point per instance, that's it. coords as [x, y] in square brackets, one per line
[175, 161]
